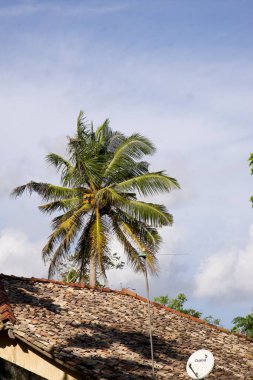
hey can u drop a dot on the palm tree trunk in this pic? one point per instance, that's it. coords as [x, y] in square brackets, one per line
[92, 271]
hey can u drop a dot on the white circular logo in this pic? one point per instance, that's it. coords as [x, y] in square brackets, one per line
[200, 364]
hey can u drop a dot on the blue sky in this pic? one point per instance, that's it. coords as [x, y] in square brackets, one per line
[179, 72]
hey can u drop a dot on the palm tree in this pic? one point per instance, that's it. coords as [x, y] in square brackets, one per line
[97, 199]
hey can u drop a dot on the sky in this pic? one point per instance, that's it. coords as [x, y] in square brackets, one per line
[179, 72]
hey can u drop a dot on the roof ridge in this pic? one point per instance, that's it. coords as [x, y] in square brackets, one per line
[123, 291]
[6, 313]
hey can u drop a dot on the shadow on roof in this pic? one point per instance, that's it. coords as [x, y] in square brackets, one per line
[29, 294]
[101, 337]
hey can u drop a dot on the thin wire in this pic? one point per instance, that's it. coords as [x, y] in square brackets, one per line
[173, 254]
[150, 322]
[149, 309]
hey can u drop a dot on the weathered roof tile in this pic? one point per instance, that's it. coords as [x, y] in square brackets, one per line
[6, 314]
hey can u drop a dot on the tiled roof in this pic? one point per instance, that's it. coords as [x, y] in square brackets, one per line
[104, 333]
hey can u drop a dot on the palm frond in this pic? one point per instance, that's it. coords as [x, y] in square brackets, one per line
[141, 243]
[250, 159]
[62, 205]
[148, 235]
[103, 132]
[99, 239]
[82, 149]
[93, 242]
[45, 190]
[81, 128]
[116, 139]
[56, 221]
[88, 163]
[128, 169]
[62, 250]
[149, 183]
[58, 161]
[69, 174]
[55, 262]
[108, 195]
[150, 213]
[66, 229]
[133, 147]
[130, 251]
[124, 235]
[83, 249]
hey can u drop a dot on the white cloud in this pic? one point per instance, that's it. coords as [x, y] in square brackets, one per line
[227, 275]
[19, 256]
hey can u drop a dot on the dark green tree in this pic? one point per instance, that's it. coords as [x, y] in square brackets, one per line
[244, 325]
[97, 198]
[178, 302]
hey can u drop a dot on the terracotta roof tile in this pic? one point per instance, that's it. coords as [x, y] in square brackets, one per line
[6, 314]
[104, 333]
